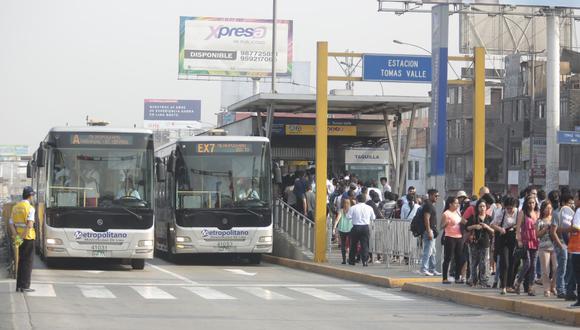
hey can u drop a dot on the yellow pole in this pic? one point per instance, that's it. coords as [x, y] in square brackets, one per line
[321, 150]
[479, 120]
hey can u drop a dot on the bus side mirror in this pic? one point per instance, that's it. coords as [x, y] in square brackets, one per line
[29, 169]
[40, 156]
[159, 170]
[170, 163]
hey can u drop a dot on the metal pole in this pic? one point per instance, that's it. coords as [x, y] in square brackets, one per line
[270, 118]
[553, 101]
[398, 162]
[532, 112]
[478, 120]
[321, 149]
[401, 186]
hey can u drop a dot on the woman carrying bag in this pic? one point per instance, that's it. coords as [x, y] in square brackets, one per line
[527, 239]
[479, 241]
[504, 225]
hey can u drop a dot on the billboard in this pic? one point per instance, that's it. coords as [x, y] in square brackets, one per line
[161, 113]
[13, 150]
[234, 47]
[533, 3]
[518, 31]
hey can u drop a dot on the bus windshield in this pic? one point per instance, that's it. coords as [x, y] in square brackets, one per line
[222, 176]
[100, 177]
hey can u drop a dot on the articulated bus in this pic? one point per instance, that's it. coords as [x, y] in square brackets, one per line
[214, 196]
[94, 194]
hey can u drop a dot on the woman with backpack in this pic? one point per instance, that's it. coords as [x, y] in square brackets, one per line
[528, 241]
[504, 224]
[480, 232]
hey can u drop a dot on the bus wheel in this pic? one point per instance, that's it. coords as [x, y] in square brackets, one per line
[256, 258]
[138, 263]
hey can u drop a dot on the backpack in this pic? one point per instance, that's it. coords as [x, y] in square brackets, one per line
[418, 224]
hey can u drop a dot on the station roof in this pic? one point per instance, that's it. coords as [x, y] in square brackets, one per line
[337, 104]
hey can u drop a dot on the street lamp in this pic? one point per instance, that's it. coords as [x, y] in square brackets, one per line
[399, 42]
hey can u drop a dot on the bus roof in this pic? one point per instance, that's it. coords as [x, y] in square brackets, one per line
[99, 129]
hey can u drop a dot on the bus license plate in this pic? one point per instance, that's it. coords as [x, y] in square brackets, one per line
[225, 245]
[99, 251]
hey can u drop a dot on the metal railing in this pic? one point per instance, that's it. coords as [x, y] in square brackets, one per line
[392, 238]
[295, 224]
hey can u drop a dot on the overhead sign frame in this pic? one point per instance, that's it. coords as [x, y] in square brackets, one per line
[523, 3]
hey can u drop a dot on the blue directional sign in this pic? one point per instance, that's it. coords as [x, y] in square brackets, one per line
[568, 137]
[397, 68]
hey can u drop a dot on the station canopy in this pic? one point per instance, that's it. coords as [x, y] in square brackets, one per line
[337, 104]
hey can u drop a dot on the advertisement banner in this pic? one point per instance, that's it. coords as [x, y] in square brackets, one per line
[13, 150]
[237, 47]
[160, 113]
[333, 130]
[529, 3]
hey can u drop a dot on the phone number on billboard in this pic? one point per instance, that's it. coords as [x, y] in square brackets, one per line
[256, 56]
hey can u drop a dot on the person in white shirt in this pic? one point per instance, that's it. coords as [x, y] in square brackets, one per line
[361, 215]
[409, 209]
[385, 185]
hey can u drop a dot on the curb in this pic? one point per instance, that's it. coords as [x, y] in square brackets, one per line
[523, 308]
[347, 274]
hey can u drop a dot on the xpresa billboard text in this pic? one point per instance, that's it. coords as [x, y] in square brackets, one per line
[236, 47]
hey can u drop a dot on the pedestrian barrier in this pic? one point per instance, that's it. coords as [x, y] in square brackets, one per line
[295, 224]
[392, 238]
[12, 250]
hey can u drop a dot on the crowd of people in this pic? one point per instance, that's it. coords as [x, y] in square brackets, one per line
[490, 241]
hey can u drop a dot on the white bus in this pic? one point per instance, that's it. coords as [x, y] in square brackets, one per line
[94, 194]
[214, 195]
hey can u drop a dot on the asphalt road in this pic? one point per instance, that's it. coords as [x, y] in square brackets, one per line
[225, 295]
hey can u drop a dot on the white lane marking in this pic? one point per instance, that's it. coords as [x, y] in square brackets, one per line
[378, 294]
[239, 272]
[93, 271]
[96, 291]
[320, 294]
[265, 293]
[210, 294]
[270, 285]
[152, 292]
[177, 276]
[42, 290]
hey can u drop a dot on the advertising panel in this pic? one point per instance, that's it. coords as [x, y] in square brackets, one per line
[13, 150]
[333, 130]
[531, 3]
[160, 113]
[237, 47]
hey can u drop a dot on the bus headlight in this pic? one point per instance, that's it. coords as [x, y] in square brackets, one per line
[53, 241]
[265, 239]
[145, 243]
[182, 239]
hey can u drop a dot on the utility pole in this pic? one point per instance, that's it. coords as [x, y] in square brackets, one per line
[270, 117]
[553, 101]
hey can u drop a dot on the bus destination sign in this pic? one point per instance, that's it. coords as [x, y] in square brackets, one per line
[101, 139]
[222, 148]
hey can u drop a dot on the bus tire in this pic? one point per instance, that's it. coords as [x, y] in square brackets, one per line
[169, 254]
[138, 264]
[256, 259]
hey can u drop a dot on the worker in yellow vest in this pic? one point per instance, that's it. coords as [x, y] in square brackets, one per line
[22, 229]
[574, 247]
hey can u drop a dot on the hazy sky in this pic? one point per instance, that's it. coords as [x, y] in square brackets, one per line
[62, 60]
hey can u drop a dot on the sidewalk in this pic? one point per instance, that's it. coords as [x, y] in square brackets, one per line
[399, 276]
